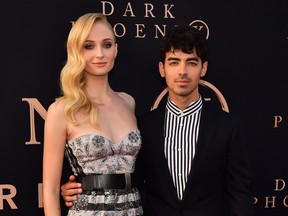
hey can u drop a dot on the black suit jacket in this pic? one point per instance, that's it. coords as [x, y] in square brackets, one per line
[219, 183]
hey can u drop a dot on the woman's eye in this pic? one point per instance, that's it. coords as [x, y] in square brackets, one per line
[107, 45]
[88, 46]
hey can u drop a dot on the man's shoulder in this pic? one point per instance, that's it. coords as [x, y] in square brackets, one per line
[149, 114]
[155, 112]
[218, 114]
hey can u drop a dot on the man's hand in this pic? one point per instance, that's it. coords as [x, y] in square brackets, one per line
[69, 191]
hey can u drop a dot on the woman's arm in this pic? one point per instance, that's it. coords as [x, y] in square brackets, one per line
[53, 154]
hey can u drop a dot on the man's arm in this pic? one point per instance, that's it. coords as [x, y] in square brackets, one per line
[239, 177]
[69, 190]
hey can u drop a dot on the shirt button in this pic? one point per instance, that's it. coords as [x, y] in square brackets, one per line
[179, 149]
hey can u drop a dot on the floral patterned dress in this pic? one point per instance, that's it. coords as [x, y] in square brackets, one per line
[93, 153]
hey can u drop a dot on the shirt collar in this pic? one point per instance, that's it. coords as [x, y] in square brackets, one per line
[194, 107]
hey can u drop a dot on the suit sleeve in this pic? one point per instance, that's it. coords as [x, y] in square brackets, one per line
[239, 178]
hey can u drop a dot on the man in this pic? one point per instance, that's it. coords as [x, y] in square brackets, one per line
[193, 159]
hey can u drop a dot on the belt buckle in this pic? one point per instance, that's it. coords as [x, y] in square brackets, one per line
[127, 179]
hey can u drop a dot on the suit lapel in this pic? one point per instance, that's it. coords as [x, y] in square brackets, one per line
[159, 152]
[206, 131]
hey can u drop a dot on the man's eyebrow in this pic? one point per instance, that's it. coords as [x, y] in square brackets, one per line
[173, 59]
[192, 59]
[178, 59]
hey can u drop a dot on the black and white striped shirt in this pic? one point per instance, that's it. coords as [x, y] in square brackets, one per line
[181, 135]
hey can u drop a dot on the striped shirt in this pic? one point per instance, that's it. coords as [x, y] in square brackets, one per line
[181, 135]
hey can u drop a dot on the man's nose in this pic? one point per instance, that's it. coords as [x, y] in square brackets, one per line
[182, 69]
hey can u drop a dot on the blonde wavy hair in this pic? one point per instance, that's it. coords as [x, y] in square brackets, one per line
[72, 78]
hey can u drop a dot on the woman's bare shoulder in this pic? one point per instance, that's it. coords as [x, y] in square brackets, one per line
[127, 97]
[57, 107]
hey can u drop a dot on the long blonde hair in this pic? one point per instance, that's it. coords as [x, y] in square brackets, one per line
[72, 77]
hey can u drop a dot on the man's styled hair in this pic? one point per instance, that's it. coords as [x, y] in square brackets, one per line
[185, 38]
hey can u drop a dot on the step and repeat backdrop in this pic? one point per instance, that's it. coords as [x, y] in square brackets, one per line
[247, 75]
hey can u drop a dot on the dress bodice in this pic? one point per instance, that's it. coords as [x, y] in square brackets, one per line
[94, 153]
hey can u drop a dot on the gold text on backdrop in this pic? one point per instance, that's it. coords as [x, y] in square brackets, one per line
[34, 104]
[7, 196]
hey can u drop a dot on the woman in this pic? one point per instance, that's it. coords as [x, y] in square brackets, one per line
[94, 126]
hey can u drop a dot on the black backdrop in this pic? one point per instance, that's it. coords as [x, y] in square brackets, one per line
[248, 43]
